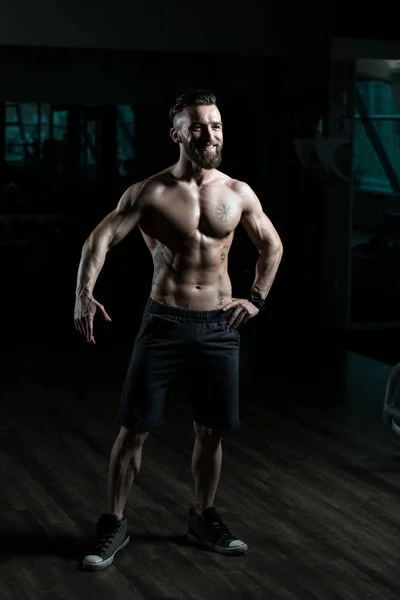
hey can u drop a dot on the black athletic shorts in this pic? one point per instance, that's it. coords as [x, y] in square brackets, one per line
[172, 341]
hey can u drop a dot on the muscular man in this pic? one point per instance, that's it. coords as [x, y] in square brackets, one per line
[187, 216]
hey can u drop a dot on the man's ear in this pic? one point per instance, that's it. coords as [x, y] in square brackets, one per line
[175, 135]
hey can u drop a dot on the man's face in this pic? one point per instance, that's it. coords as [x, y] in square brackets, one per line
[200, 131]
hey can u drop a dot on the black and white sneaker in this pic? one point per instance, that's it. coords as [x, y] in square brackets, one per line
[112, 536]
[213, 533]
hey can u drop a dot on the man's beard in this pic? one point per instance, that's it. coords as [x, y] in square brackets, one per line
[208, 159]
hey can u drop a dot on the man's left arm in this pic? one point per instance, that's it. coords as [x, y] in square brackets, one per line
[268, 243]
[264, 237]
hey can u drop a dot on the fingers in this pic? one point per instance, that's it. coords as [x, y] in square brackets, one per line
[238, 318]
[102, 310]
[84, 326]
[235, 320]
[89, 330]
[230, 305]
[84, 317]
[105, 316]
[245, 321]
[79, 327]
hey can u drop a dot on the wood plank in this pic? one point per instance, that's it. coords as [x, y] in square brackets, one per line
[310, 481]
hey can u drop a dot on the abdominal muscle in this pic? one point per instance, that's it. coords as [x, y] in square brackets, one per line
[194, 290]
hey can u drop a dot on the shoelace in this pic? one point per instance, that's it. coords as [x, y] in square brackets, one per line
[222, 528]
[106, 538]
[103, 543]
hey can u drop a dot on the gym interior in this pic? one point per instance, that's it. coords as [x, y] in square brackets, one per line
[310, 100]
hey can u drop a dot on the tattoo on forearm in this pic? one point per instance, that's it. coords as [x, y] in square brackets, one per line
[220, 300]
[224, 212]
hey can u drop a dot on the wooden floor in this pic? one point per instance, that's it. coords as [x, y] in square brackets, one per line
[310, 481]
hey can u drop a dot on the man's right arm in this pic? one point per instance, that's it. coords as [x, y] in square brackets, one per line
[112, 229]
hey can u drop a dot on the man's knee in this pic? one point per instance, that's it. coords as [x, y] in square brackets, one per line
[206, 434]
[132, 438]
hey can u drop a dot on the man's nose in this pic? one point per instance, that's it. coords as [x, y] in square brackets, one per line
[208, 135]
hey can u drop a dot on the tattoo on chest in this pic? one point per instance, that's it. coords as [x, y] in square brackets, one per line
[224, 212]
[223, 256]
[220, 300]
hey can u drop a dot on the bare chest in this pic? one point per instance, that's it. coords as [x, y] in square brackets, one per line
[209, 214]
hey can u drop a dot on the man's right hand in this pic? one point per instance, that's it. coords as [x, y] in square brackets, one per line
[85, 309]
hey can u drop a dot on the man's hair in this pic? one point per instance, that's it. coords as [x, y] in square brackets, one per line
[192, 98]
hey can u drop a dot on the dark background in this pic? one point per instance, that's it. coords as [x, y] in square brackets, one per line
[269, 65]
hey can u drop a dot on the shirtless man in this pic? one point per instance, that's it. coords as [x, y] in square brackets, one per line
[187, 215]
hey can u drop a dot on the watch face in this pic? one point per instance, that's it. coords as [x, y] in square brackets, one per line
[257, 299]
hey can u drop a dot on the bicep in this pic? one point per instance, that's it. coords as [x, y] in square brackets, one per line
[119, 222]
[256, 223]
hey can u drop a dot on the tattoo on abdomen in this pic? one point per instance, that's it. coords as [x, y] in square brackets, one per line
[223, 212]
[220, 300]
[158, 262]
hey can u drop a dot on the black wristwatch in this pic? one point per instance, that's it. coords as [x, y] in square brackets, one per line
[256, 299]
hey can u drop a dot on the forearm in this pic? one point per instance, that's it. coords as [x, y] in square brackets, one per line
[92, 260]
[266, 269]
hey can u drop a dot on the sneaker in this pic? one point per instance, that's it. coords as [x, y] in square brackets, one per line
[214, 534]
[112, 535]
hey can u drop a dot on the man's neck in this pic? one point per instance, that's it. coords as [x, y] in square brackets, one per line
[188, 171]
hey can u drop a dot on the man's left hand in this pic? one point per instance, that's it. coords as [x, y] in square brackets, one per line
[244, 310]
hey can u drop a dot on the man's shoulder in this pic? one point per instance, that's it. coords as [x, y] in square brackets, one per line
[151, 187]
[247, 198]
[239, 187]
[159, 180]
[228, 181]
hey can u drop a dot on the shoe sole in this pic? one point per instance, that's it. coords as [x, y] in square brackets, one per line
[219, 549]
[106, 563]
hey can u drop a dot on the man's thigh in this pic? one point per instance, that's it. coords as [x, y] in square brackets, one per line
[214, 379]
